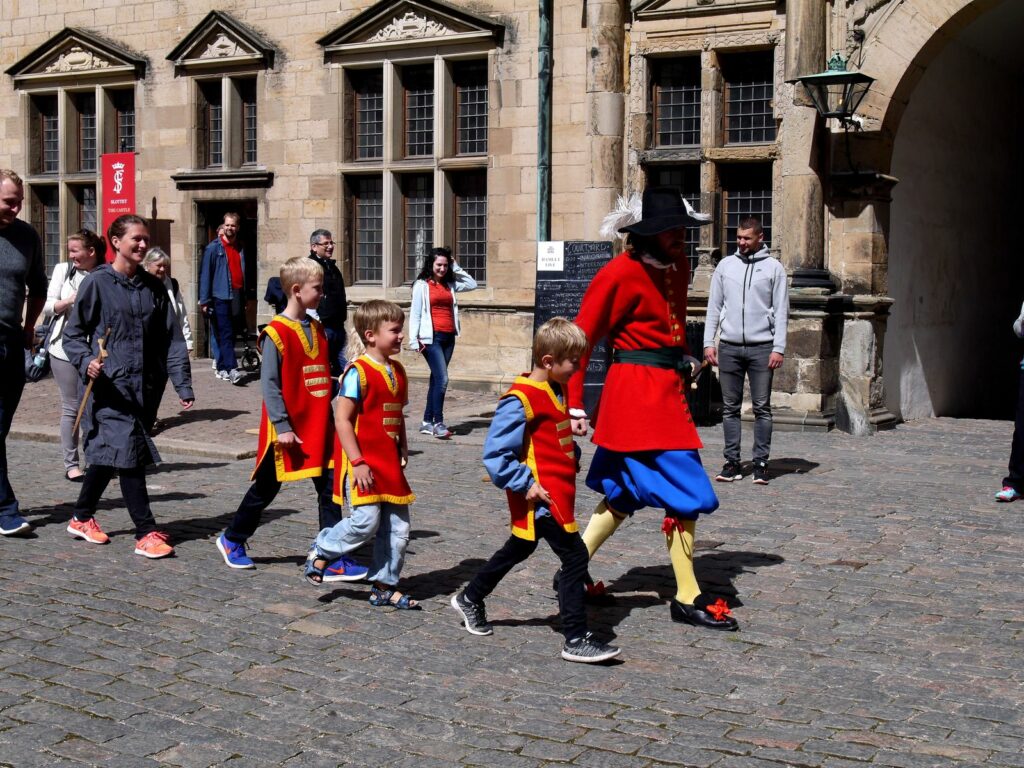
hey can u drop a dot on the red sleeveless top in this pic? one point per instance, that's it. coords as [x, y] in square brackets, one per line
[378, 430]
[549, 452]
[306, 389]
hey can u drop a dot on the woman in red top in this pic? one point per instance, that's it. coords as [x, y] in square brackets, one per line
[433, 326]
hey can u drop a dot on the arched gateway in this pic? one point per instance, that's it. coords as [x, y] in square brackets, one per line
[934, 228]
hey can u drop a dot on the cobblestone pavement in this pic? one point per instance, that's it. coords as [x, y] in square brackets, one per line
[877, 585]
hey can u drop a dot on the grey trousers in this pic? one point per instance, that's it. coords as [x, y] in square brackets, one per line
[736, 362]
[70, 385]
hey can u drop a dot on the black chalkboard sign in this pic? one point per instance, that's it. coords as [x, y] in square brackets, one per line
[559, 293]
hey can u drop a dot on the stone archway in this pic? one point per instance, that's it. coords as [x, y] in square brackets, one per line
[939, 120]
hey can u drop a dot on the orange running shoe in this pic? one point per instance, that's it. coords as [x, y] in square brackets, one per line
[88, 530]
[154, 545]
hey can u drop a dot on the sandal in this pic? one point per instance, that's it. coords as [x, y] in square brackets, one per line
[315, 566]
[385, 597]
[74, 478]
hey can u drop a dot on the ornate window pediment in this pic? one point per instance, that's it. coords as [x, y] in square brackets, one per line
[79, 54]
[409, 23]
[219, 42]
[654, 9]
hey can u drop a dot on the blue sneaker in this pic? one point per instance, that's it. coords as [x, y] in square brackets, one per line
[9, 526]
[344, 569]
[234, 554]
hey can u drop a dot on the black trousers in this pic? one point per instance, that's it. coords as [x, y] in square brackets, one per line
[572, 553]
[264, 490]
[1015, 478]
[133, 488]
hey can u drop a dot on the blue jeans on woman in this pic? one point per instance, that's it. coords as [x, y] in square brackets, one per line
[438, 354]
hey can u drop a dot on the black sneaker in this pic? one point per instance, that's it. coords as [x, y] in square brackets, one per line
[760, 473]
[587, 650]
[731, 471]
[473, 614]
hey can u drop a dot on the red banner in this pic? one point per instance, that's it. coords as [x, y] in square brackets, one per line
[118, 188]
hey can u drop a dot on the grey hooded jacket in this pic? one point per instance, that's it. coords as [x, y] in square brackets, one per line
[749, 300]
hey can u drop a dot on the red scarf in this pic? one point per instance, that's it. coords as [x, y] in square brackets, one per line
[234, 264]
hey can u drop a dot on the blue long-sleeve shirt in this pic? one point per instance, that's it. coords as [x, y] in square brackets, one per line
[504, 446]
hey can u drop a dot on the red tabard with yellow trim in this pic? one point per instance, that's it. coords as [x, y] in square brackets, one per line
[306, 389]
[549, 453]
[378, 430]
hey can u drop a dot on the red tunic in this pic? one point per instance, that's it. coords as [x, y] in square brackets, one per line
[638, 306]
[306, 390]
[378, 430]
[549, 455]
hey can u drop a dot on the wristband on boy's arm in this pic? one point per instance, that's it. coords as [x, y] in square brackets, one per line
[357, 462]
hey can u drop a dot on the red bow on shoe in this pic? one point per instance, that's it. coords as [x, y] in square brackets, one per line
[718, 610]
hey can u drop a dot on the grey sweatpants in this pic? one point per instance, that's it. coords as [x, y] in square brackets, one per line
[735, 362]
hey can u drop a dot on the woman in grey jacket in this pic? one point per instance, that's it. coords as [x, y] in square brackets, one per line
[433, 326]
[129, 309]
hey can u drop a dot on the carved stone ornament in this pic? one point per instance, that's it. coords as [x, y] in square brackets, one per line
[411, 27]
[221, 48]
[77, 59]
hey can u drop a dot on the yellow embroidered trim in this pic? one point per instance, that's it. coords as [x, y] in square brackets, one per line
[310, 350]
[544, 387]
[384, 372]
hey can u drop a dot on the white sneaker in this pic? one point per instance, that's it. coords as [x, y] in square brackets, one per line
[426, 428]
[223, 375]
[235, 376]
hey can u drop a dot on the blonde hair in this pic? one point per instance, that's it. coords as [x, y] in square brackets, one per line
[299, 270]
[369, 317]
[559, 338]
[7, 173]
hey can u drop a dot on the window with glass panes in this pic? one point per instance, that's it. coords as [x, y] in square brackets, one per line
[368, 95]
[49, 134]
[418, 205]
[400, 139]
[85, 107]
[368, 228]
[85, 199]
[748, 99]
[247, 95]
[211, 124]
[685, 178]
[676, 101]
[470, 79]
[746, 191]
[124, 109]
[469, 190]
[46, 220]
[418, 84]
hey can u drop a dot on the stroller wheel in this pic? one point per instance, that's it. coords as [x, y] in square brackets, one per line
[250, 360]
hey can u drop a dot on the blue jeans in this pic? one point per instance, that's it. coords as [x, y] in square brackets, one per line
[12, 382]
[387, 524]
[336, 342]
[735, 362]
[438, 354]
[225, 321]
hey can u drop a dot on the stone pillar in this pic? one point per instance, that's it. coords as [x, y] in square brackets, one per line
[606, 21]
[803, 206]
[860, 408]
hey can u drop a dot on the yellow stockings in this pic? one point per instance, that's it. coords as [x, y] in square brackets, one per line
[680, 550]
[602, 524]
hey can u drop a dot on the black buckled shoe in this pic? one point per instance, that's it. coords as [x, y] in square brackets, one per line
[704, 613]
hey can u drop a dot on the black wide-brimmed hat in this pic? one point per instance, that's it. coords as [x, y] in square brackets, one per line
[664, 208]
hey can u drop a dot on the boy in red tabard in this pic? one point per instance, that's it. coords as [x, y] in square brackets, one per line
[370, 456]
[296, 432]
[530, 453]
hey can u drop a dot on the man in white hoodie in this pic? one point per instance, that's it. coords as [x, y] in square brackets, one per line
[749, 302]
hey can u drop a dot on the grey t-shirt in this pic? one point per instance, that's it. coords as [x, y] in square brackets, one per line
[21, 266]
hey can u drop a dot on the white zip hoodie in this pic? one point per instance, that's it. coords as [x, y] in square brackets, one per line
[750, 301]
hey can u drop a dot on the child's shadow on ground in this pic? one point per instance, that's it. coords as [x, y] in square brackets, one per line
[424, 586]
[60, 514]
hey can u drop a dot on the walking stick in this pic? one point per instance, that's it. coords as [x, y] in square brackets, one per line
[88, 387]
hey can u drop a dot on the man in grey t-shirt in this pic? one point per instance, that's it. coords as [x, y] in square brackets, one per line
[21, 267]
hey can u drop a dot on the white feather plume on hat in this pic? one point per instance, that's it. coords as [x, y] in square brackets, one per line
[628, 210]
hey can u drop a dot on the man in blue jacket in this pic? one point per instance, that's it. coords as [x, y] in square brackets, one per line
[222, 294]
[749, 301]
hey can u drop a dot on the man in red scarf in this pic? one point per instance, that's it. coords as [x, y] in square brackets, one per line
[222, 294]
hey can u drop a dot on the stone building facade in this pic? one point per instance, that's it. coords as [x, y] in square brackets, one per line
[406, 123]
